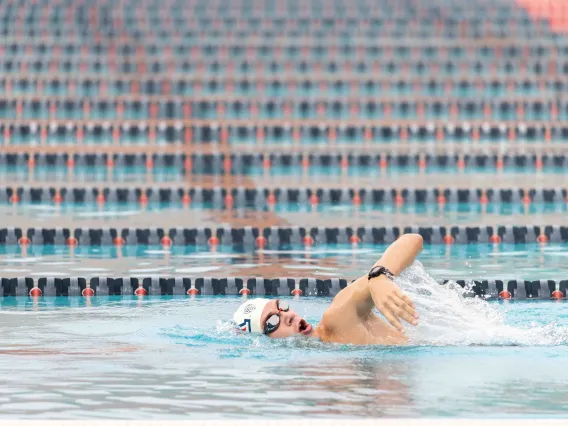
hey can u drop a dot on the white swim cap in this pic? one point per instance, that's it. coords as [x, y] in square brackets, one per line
[248, 315]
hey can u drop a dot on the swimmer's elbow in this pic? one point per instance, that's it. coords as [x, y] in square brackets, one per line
[415, 240]
[419, 242]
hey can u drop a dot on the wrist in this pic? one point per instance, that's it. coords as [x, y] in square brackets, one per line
[378, 281]
[379, 271]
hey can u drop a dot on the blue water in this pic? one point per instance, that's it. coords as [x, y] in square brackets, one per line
[504, 261]
[174, 174]
[458, 213]
[173, 358]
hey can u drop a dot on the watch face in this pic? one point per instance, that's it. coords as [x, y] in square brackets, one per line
[380, 270]
[376, 271]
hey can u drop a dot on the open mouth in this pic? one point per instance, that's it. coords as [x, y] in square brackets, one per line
[305, 328]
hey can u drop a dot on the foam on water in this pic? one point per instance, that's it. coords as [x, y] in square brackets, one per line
[449, 317]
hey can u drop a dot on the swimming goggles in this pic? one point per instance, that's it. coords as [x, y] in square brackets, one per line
[273, 322]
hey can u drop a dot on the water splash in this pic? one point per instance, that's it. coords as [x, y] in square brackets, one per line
[449, 317]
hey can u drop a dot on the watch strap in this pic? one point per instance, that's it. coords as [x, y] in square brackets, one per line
[377, 271]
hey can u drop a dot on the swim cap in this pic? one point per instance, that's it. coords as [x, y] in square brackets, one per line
[248, 315]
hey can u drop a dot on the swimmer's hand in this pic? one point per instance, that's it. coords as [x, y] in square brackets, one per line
[392, 302]
[387, 297]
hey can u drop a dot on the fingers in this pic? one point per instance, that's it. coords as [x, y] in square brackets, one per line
[395, 306]
[401, 313]
[389, 315]
[402, 300]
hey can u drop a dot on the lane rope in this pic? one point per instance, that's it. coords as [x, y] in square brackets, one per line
[207, 286]
[243, 197]
[276, 236]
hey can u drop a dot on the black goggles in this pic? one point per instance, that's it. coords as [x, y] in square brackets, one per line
[273, 322]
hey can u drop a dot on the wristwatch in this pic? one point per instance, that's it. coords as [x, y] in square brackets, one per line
[377, 271]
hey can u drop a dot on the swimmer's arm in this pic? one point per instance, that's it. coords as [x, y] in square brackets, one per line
[359, 298]
[401, 254]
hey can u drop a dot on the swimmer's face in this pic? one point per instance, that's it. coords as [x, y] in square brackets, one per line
[290, 322]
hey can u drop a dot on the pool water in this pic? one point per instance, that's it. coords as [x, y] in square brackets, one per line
[169, 358]
[473, 261]
[166, 174]
[126, 215]
[91, 210]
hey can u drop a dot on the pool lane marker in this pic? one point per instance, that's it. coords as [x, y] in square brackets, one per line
[192, 291]
[240, 162]
[228, 197]
[503, 289]
[277, 236]
[505, 293]
[35, 291]
[557, 293]
[87, 291]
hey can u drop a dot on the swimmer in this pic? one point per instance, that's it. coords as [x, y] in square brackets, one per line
[350, 317]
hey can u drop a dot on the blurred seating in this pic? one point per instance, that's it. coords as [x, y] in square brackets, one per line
[267, 72]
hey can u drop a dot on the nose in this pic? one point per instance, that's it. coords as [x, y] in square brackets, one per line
[288, 317]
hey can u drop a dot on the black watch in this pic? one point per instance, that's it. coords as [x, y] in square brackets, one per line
[377, 271]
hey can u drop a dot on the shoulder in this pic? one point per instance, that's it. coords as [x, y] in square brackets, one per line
[327, 324]
[335, 317]
[335, 328]
[326, 330]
